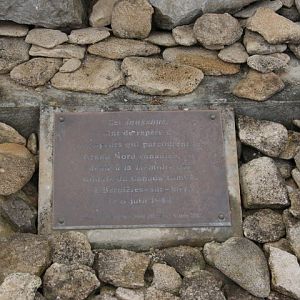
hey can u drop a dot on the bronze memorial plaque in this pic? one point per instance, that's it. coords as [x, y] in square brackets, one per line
[139, 169]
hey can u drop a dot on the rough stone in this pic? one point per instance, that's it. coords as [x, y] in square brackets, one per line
[234, 292]
[295, 49]
[297, 2]
[251, 9]
[296, 123]
[292, 147]
[37, 71]
[160, 38]
[184, 35]
[262, 185]
[88, 36]
[8, 28]
[277, 296]
[39, 296]
[203, 286]
[6, 229]
[285, 272]
[165, 278]
[285, 167]
[19, 214]
[25, 253]
[258, 86]
[96, 75]
[296, 176]
[46, 38]
[155, 76]
[235, 53]
[264, 226]
[154, 294]
[71, 248]
[116, 48]
[288, 3]
[266, 63]
[51, 14]
[243, 262]
[290, 13]
[13, 52]
[17, 167]
[128, 294]
[292, 232]
[256, 44]
[282, 244]
[268, 137]
[121, 268]
[32, 143]
[69, 282]
[9, 135]
[291, 184]
[205, 60]
[291, 74]
[60, 51]
[297, 159]
[295, 203]
[70, 65]
[217, 30]
[132, 19]
[19, 286]
[274, 28]
[186, 260]
[101, 13]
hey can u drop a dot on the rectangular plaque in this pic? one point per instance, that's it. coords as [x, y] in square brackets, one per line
[139, 169]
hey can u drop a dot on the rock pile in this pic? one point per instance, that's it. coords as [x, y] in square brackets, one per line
[190, 36]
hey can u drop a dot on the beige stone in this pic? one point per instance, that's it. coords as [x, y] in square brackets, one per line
[88, 36]
[235, 53]
[155, 76]
[292, 147]
[46, 38]
[96, 75]
[295, 49]
[160, 38]
[274, 28]
[8, 28]
[70, 65]
[258, 86]
[288, 3]
[101, 13]
[213, 30]
[267, 63]
[203, 59]
[132, 19]
[10, 135]
[32, 143]
[37, 71]
[296, 176]
[184, 35]
[116, 48]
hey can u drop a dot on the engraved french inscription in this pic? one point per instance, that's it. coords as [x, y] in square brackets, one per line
[139, 169]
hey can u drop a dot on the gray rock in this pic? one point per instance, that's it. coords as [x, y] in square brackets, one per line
[291, 74]
[282, 244]
[71, 248]
[291, 184]
[116, 48]
[121, 268]
[154, 294]
[297, 159]
[6, 230]
[24, 253]
[256, 44]
[186, 260]
[39, 296]
[129, 294]
[288, 3]
[47, 38]
[243, 262]
[155, 76]
[285, 272]
[54, 14]
[165, 278]
[235, 53]
[32, 143]
[19, 214]
[296, 176]
[297, 2]
[17, 167]
[257, 86]
[290, 13]
[184, 35]
[10, 135]
[266, 63]
[285, 167]
[295, 49]
[12, 29]
[205, 60]
[262, 185]
[19, 286]
[160, 38]
[132, 19]
[69, 282]
[217, 30]
[234, 292]
[96, 75]
[268, 137]
[101, 13]
[292, 232]
[277, 296]
[295, 203]
[13, 52]
[60, 51]
[70, 65]
[264, 226]
[37, 71]
[266, 22]
[203, 286]
[251, 9]
[292, 147]
[88, 36]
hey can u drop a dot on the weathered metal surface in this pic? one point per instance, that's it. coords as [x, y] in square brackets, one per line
[139, 169]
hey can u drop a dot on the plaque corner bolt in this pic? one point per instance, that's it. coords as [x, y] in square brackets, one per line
[61, 119]
[212, 117]
[221, 217]
[61, 221]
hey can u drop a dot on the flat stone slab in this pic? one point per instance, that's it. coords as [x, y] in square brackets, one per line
[150, 220]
